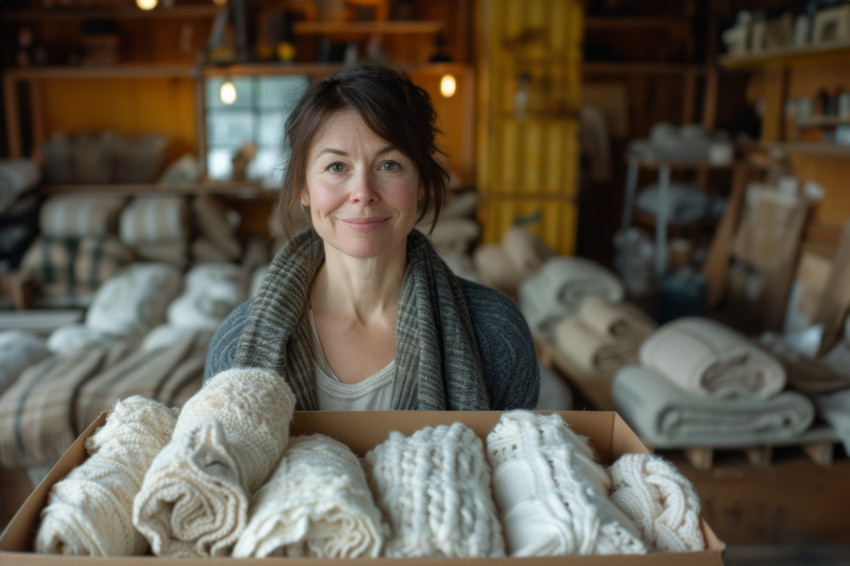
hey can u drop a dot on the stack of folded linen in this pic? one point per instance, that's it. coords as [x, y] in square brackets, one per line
[157, 228]
[701, 383]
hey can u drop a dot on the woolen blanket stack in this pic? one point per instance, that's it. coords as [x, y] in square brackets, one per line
[660, 500]
[89, 512]
[227, 440]
[434, 489]
[551, 493]
[317, 503]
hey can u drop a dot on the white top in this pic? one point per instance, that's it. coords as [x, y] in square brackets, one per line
[375, 393]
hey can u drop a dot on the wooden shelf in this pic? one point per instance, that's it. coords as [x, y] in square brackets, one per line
[675, 164]
[814, 121]
[104, 72]
[248, 189]
[641, 23]
[816, 149]
[256, 69]
[188, 11]
[641, 68]
[779, 57]
[537, 117]
[424, 27]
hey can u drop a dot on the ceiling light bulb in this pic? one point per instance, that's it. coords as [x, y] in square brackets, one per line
[227, 92]
[448, 86]
[146, 4]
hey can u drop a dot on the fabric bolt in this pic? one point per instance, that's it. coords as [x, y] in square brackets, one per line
[17, 176]
[558, 288]
[50, 260]
[150, 219]
[36, 412]
[19, 349]
[620, 320]
[525, 250]
[434, 490]
[135, 300]
[666, 416]
[143, 372]
[437, 361]
[76, 216]
[592, 351]
[660, 500]
[70, 338]
[551, 492]
[317, 503]
[89, 512]
[494, 269]
[709, 359]
[99, 258]
[227, 440]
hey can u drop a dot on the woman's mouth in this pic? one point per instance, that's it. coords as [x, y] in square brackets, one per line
[364, 224]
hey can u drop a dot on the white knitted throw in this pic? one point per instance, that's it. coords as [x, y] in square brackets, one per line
[317, 503]
[551, 492]
[228, 438]
[660, 500]
[434, 489]
[89, 512]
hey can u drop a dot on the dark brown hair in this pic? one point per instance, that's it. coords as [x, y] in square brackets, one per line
[391, 105]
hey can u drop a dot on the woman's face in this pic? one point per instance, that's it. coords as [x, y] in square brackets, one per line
[362, 192]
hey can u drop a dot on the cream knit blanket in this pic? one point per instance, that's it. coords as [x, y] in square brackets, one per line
[660, 500]
[551, 492]
[434, 488]
[228, 438]
[89, 512]
[317, 503]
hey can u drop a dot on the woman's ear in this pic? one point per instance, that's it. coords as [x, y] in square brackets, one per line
[305, 197]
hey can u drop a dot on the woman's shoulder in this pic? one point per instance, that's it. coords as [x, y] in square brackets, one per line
[222, 350]
[484, 301]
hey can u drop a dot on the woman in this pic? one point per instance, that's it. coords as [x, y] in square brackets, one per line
[358, 312]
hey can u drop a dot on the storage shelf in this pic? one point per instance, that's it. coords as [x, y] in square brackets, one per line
[256, 69]
[787, 55]
[620, 67]
[611, 22]
[424, 27]
[188, 11]
[817, 149]
[102, 72]
[249, 189]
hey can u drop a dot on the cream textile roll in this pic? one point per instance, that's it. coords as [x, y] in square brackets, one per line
[155, 219]
[594, 352]
[709, 359]
[619, 321]
[495, 269]
[228, 439]
[89, 512]
[526, 251]
[75, 216]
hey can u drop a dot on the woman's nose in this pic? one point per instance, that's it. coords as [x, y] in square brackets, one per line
[363, 190]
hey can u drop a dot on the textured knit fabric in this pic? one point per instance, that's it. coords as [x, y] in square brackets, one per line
[551, 492]
[227, 440]
[317, 503]
[666, 416]
[437, 358]
[89, 512]
[502, 336]
[709, 359]
[434, 489]
[660, 500]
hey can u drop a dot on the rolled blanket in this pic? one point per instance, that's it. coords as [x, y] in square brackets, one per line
[709, 359]
[526, 251]
[494, 269]
[76, 216]
[666, 416]
[211, 292]
[19, 350]
[619, 320]
[228, 438]
[135, 300]
[592, 351]
[36, 412]
[155, 219]
[317, 503]
[434, 489]
[556, 290]
[551, 492]
[660, 500]
[89, 512]
[100, 258]
[50, 260]
[17, 176]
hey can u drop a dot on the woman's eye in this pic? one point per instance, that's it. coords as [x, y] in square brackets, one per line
[389, 165]
[336, 167]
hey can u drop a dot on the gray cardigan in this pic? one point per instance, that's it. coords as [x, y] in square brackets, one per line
[504, 340]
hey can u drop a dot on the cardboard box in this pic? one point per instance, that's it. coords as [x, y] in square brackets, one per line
[607, 432]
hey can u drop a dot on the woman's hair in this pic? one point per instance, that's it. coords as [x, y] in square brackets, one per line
[394, 108]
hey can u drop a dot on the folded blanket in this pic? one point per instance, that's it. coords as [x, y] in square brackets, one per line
[709, 359]
[227, 440]
[558, 288]
[153, 219]
[99, 258]
[50, 260]
[142, 372]
[666, 416]
[167, 334]
[494, 269]
[434, 489]
[72, 337]
[19, 350]
[526, 251]
[135, 300]
[89, 512]
[551, 492]
[17, 176]
[317, 503]
[76, 216]
[36, 412]
[592, 351]
[619, 320]
[660, 500]
[211, 291]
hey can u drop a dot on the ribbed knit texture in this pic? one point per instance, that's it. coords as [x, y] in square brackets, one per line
[660, 500]
[434, 489]
[317, 503]
[227, 440]
[551, 492]
[437, 361]
[89, 512]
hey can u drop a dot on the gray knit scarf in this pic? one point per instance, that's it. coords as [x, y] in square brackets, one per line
[437, 365]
